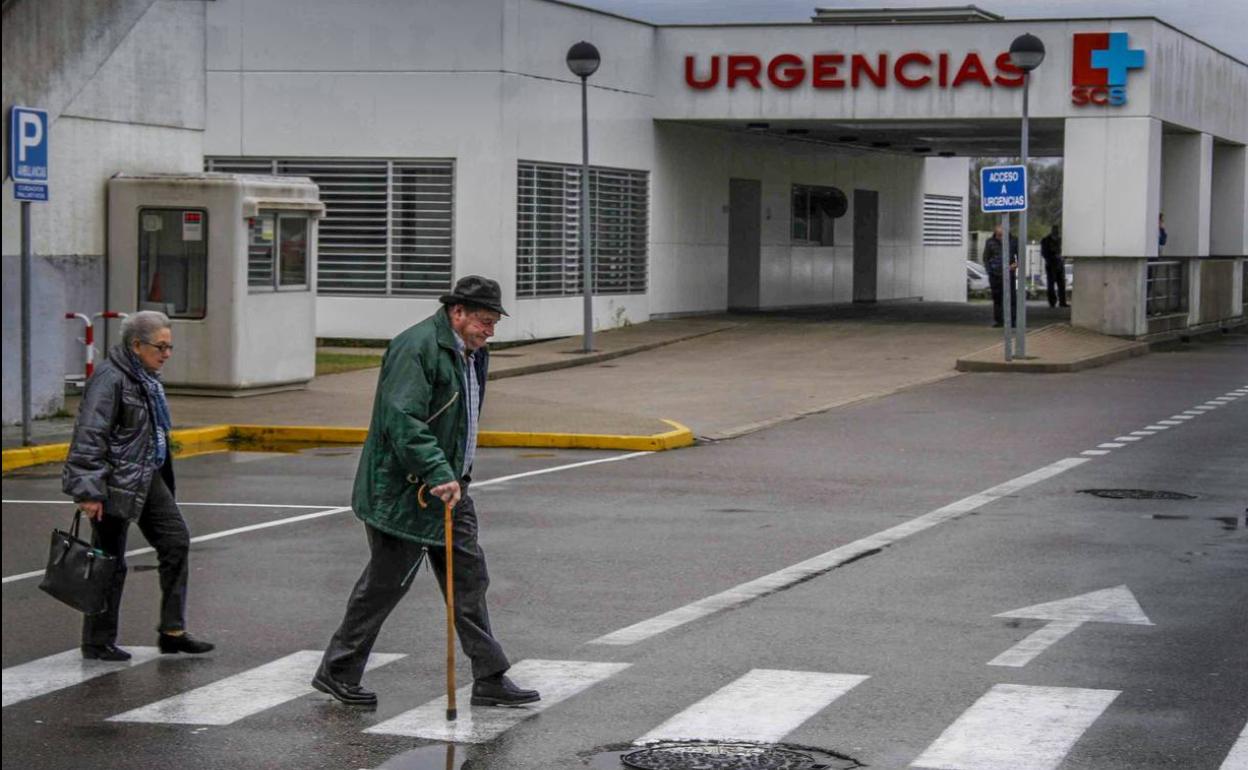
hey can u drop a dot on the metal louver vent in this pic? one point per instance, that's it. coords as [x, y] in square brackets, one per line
[942, 220]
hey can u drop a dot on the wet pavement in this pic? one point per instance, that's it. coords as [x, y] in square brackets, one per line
[881, 656]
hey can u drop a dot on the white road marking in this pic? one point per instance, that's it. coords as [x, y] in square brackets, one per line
[64, 669]
[1238, 758]
[1094, 452]
[557, 680]
[763, 706]
[1203, 409]
[738, 595]
[1168, 422]
[319, 513]
[1157, 427]
[228, 700]
[1127, 438]
[1180, 417]
[1192, 413]
[1109, 605]
[1042, 639]
[1111, 445]
[1143, 433]
[1017, 727]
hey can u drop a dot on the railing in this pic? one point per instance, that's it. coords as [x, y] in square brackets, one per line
[1166, 288]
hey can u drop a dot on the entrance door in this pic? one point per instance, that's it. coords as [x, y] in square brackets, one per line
[745, 206]
[866, 243]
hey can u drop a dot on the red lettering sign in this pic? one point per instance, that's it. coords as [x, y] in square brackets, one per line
[786, 71]
[823, 70]
[744, 67]
[912, 69]
[905, 60]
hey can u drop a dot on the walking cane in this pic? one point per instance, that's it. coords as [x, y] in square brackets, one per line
[451, 711]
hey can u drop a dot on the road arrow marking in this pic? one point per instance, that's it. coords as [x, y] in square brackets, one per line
[1111, 605]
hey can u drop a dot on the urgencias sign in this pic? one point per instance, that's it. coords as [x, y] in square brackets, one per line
[912, 69]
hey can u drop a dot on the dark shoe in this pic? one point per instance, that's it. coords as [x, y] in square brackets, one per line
[104, 652]
[183, 643]
[1064, 305]
[350, 694]
[998, 325]
[498, 690]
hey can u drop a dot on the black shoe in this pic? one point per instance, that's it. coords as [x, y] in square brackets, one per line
[350, 694]
[104, 652]
[498, 690]
[183, 643]
[1064, 305]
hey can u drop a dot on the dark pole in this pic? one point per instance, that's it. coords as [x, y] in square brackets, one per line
[1026, 53]
[587, 268]
[27, 277]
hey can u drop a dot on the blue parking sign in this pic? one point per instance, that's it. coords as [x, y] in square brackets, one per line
[28, 153]
[1002, 189]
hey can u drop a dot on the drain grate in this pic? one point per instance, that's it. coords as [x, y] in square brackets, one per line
[1138, 494]
[724, 756]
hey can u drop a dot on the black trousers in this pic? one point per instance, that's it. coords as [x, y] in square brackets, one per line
[164, 528]
[391, 568]
[1055, 277]
[998, 314]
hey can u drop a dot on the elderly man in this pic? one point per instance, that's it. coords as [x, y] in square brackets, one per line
[993, 253]
[120, 469]
[423, 433]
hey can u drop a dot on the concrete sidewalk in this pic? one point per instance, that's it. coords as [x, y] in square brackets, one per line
[722, 376]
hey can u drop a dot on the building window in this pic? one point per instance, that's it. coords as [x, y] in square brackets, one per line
[388, 228]
[548, 250]
[277, 252]
[173, 261]
[942, 220]
[814, 209]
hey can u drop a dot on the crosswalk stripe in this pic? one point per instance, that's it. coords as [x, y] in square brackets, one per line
[1238, 758]
[1019, 727]
[556, 679]
[64, 669]
[228, 700]
[764, 706]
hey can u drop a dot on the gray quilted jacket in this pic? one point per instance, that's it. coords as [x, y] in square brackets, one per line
[113, 435]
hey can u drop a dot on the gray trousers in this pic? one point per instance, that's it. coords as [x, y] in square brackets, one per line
[162, 525]
[386, 579]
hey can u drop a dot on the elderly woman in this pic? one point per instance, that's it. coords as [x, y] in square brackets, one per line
[120, 469]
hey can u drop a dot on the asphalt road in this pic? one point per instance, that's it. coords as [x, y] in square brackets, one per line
[879, 649]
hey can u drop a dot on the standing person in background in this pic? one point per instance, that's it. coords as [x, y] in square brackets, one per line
[120, 470]
[1161, 232]
[1054, 266]
[992, 261]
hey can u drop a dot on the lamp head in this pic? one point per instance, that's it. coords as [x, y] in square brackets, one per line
[1026, 52]
[583, 59]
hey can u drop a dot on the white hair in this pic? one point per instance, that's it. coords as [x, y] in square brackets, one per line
[142, 327]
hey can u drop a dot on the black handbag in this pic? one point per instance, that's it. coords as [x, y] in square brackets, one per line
[77, 574]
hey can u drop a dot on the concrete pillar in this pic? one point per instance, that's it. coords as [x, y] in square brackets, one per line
[1228, 231]
[1111, 195]
[1186, 184]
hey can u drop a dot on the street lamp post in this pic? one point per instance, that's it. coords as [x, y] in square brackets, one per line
[1026, 53]
[583, 60]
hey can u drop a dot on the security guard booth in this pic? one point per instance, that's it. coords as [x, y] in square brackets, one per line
[231, 259]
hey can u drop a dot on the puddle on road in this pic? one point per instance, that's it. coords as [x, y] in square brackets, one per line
[441, 757]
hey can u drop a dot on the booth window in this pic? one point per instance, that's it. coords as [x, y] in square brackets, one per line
[388, 228]
[548, 245]
[173, 261]
[277, 252]
[814, 209]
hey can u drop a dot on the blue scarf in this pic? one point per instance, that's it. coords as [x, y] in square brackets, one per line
[160, 406]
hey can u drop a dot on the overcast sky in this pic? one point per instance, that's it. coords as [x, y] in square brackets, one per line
[1220, 23]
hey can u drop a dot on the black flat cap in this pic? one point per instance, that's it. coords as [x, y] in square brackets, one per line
[476, 291]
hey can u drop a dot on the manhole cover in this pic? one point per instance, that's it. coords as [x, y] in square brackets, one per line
[1138, 494]
[720, 756]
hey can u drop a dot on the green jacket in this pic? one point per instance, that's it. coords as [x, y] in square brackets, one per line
[417, 432]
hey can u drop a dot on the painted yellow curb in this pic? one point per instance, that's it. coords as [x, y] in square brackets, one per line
[191, 438]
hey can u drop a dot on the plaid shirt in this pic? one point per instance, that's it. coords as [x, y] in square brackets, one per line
[472, 392]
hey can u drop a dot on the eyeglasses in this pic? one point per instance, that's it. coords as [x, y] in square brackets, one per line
[162, 347]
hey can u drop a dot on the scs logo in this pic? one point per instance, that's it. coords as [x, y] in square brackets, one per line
[1099, 68]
